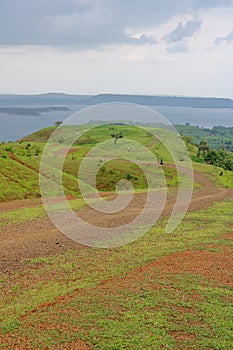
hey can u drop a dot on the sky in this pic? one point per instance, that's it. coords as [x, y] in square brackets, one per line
[153, 47]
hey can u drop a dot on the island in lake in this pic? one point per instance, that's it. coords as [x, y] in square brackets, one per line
[35, 112]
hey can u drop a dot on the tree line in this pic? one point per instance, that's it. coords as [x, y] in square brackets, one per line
[221, 158]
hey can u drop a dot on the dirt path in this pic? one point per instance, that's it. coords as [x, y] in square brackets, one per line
[40, 238]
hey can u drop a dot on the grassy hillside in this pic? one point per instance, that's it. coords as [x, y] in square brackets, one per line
[20, 162]
[163, 291]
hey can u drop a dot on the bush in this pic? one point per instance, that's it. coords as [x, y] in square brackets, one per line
[4, 155]
[197, 159]
[9, 148]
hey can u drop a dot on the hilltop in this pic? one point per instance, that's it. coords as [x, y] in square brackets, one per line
[217, 137]
[20, 162]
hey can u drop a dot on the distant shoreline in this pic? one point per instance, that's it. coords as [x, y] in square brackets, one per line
[60, 99]
[34, 112]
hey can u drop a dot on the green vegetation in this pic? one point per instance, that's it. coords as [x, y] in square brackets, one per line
[221, 158]
[215, 146]
[115, 134]
[163, 291]
[141, 305]
[218, 137]
[34, 212]
[213, 173]
[20, 161]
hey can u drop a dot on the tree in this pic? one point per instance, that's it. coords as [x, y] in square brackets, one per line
[211, 157]
[203, 148]
[221, 158]
[116, 136]
[188, 139]
[57, 123]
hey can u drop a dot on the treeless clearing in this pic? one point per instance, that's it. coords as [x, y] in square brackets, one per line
[39, 237]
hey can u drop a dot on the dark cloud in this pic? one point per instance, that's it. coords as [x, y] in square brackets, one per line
[88, 23]
[225, 39]
[183, 31]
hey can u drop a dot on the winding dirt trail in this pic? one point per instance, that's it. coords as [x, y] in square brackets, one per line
[39, 237]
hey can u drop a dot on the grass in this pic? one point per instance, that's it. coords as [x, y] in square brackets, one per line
[21, 215]
[213, 172]
[20, 162]
[149, 312]
[116, 298]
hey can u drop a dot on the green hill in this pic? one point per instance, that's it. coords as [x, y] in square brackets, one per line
[20, 162]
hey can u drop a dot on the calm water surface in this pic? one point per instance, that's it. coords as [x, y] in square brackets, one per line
[14, 127]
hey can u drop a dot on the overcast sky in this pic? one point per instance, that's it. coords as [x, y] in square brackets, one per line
[169, 47]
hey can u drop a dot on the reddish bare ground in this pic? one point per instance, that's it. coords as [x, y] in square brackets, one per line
[39, 237]
[215, 266]
[21, 343]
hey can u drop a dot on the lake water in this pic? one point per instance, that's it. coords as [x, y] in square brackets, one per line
[14, 127]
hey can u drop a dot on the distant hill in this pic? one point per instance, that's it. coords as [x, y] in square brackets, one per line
[59, 99]
[168, 101]
[41, 99]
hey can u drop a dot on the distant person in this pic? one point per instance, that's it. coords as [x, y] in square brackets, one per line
[221, 173]
[161, 161]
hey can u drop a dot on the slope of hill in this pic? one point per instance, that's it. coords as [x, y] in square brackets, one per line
[163, 291]
[20, 162]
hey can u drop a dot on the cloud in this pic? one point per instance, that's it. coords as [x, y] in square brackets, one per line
[178, 48]
[183, 31]
[228, 38]
[143, 39]
[88, 23]
[213, 3]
